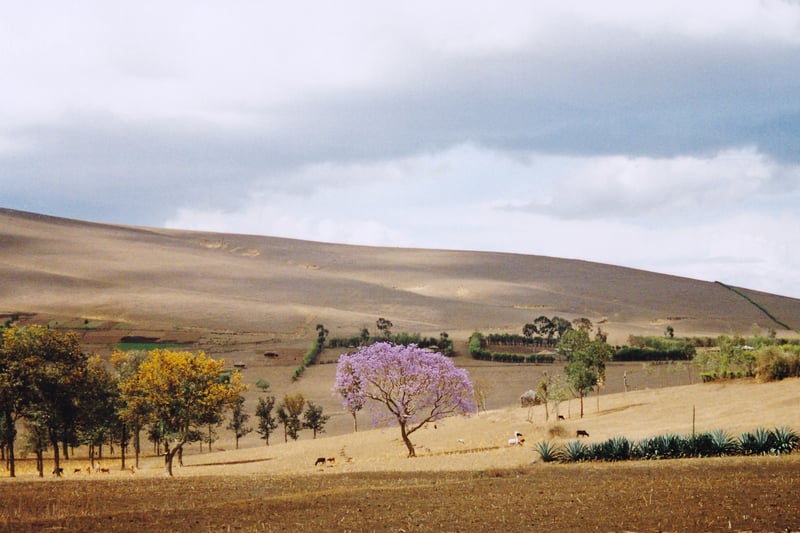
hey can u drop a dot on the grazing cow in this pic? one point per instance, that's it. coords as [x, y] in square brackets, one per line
[58, 472]
[561, 417]
[581, 433]
[515, 442]
[104, 470]
[319, 461]
[76, 471]
[331, 460]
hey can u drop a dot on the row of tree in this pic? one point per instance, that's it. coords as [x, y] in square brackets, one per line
[442, 344]
[66, 398]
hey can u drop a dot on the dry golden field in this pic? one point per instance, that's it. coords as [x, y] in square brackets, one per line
[465, 478]
[238, 297]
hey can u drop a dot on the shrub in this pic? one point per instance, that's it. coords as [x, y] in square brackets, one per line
[776, 363]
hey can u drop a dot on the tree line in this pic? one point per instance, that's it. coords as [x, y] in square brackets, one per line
[65, 398]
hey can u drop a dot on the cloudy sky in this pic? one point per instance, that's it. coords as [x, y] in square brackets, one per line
[656, 135]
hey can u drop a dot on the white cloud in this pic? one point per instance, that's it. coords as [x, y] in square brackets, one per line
[630, 187]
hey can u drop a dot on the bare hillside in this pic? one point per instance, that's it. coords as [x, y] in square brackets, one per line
[168, 279]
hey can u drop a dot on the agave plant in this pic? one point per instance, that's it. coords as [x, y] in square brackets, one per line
[785, 440]
[616, 449]
[723, 443]
[594, 451]
[548, 451]
[699, 445]
[757, 442]
[574, 451]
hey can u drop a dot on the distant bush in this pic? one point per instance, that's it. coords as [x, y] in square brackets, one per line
[774, 363]
[652, 348]
[442, 344]
[630, 353]
[477, 351]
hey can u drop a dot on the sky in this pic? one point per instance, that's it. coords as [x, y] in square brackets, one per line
[658, 135]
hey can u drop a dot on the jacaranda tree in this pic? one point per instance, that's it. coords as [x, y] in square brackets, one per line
[415, 385]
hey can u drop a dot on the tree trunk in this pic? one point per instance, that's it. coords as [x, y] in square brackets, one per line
[581, 393]
[170, 455]
[40, 462]
[10, 435]
[598, 398]
[407, 441]
[56, 457]
[355, 423]
[123, 441]
[137, 446]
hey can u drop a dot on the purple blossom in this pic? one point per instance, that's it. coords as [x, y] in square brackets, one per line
[416, 386]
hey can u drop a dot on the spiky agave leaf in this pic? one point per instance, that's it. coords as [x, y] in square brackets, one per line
[574, 451]
[548, 451]
[785, 440]
[757, 442]
[723, 443]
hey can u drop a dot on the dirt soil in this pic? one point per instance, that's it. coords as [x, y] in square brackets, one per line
[743, 494]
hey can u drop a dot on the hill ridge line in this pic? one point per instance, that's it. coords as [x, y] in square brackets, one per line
[756, 304]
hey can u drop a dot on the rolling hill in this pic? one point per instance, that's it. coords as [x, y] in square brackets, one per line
[161, 279]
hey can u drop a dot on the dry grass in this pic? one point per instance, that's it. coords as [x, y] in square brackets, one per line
[478, 484]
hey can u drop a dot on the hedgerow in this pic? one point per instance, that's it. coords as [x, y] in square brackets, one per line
[477, 351]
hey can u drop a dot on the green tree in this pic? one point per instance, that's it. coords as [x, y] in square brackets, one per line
[586, 360]
[41, 371]
[127, 364]
[529, 330]
[545, 327]
[179, 391]
[561, 325]
[283, 418]
[100, 409]
[266, 421]
[313, 418]
[384, 326]
[18, 362]
[322, 334]
[238, 421]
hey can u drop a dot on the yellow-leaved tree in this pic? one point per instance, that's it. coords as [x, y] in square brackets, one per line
[179, 392]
